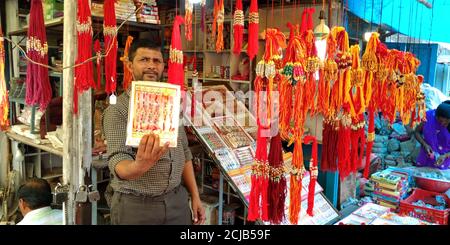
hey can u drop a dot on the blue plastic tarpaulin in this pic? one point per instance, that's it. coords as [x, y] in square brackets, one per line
[409, 17]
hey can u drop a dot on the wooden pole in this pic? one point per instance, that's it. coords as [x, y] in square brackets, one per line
[69, 45]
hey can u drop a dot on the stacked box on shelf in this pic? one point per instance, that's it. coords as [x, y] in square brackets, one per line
[391, 186]
[125, 10]
[97, 9]
[149, 12]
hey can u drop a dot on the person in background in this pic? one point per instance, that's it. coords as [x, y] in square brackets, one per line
[435, 150]
[149, 182]
[35, 198]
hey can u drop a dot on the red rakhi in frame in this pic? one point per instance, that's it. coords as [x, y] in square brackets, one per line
[110, 34]
[39, 91]
[84, 74]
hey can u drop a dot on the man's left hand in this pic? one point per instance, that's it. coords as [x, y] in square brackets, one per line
[198, 210]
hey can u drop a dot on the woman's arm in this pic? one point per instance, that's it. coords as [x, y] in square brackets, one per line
[418, 135]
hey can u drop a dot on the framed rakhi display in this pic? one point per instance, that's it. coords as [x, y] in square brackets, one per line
[245, 155]
[154, 108]
[231, 132]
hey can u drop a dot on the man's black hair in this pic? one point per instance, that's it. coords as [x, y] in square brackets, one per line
[142, 43]
[36, 193]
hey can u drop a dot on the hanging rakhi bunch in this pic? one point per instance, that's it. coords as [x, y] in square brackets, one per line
[370, 66]
[189, 6]
[176, 70]
[411, 87]
[267, 72]
[346, 112]
[238, 27]
[358, 136]
[328, 107]
[253, 29]
[293, 72]
[312, 65]
[39, 91]
[84, 74]
[110, 34]
[4, 102]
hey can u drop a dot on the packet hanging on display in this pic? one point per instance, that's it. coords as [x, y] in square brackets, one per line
[154, 108]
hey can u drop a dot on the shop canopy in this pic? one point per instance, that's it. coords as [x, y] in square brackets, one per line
[422, 19]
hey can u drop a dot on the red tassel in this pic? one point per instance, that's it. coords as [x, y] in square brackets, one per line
[176, 70]
[110, 31]
[84, 74]
[253, 30]
[259, 186]
[97, 49]
[38, 91]
[313, 173]
[238, 28]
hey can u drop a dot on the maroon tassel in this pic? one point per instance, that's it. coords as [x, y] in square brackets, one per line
[38, 91]
[277, 185]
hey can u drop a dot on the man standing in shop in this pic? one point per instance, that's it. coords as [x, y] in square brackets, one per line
[35, 198]
[149, 182]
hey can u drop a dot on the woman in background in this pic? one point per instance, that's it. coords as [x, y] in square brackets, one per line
[435, 150]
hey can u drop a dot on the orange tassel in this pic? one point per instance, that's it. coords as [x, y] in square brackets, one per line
[127, 75]
[296, 183]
